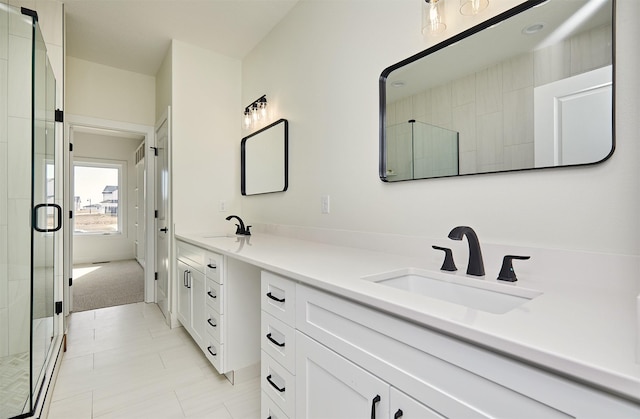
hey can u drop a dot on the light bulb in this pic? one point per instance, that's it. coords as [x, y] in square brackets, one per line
[247, 118]
[472, 7]
[433, 17]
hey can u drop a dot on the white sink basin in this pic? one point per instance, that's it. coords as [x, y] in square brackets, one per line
[473, 293]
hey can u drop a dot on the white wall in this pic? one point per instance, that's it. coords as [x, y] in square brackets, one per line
[99, 91]
[320, 70]
[98, 248]
[205, 137]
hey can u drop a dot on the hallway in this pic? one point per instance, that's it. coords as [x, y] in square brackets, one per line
[125, 362]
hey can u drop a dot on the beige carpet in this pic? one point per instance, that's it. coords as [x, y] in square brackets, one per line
[107, 284]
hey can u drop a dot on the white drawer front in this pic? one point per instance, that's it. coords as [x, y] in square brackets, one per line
[279, 384]
[278, 297]
[278, 340]
[213, 267]
[268, 408]
[214, 324]
[194, 254]
[214, 296]
[214, 352]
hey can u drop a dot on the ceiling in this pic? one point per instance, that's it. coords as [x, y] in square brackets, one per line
[135, 35]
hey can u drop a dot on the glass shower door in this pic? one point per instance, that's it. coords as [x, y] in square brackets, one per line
[46, 216]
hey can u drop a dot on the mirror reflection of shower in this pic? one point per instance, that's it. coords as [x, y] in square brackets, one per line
[417, 150]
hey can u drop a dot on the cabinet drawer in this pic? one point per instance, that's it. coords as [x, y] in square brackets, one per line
[407, 407]
[214, 324]
[191, 255]
[268, 408]
[279, 384]
[278, 297]
[278, 340]
[214, 295]
[214, 352]
[213, 267]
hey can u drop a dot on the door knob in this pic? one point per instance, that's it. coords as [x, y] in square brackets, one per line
[164, 230]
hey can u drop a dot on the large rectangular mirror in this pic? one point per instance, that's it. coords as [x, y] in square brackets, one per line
[530, 88]
[264, 160]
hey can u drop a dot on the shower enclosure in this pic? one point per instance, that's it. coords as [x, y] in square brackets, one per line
[29, 216]
[417, 150]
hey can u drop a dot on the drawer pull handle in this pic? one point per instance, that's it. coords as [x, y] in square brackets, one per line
[373, 406]
[398, 414]
[211, 295]
[212, 324]
[280, 300]
[211, 352]
[212, 265]
[274, 385]
[275, 342]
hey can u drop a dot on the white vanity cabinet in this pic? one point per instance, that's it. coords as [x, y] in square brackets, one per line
[427, 372]
[190, 287]
[219, 305]
[278, 344]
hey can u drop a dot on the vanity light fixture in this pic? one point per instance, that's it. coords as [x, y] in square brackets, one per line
[255, 111]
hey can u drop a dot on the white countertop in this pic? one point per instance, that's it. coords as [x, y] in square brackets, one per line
[586, 328]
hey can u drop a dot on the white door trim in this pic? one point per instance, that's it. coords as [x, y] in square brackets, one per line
[79, 121]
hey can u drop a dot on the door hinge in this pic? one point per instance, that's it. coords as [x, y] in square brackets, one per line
[70, 214]
[59, 115]
[70, 282]
[58, 307]
[70, 146]
[155, 151]
[155, 276]
[155, 214]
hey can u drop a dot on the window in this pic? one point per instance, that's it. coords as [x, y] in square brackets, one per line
[98, 206]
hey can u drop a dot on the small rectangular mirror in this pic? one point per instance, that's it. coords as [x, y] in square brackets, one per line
[264, 160]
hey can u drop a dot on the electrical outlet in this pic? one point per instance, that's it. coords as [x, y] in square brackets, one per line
[222, 207]
[325, 204]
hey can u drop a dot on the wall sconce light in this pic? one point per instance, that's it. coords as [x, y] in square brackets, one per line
[255, 111]
[472, 7]
[433, 17]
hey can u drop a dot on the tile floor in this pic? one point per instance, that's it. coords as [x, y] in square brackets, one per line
[124, 362]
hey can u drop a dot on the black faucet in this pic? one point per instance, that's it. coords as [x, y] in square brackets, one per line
[475, 266]
[240, 229]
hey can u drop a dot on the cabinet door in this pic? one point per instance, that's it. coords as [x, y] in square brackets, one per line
[198, 315]
[405, 407]
[330, 386]
[184, 294]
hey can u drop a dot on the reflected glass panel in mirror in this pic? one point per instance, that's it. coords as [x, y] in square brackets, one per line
[530, 88]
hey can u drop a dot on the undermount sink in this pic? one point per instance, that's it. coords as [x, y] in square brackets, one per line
[216, 235]
[473, 293]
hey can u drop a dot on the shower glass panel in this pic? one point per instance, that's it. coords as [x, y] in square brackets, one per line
[417, 150]
[28, 216]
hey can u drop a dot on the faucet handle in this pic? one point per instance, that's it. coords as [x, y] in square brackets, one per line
[239, 230]
[506, 272]
[247, 232]
[448, 264]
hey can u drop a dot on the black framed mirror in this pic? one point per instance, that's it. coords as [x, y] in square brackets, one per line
[531, 88]
[264, 160]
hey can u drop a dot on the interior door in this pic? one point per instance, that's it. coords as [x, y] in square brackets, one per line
[573, 119]
[162, 220]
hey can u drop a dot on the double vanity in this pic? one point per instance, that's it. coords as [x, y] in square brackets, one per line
[346, 332]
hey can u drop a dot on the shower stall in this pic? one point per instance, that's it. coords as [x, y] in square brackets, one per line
[29, 216]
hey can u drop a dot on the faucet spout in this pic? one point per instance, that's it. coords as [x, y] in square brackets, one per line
[476, 265]
[240, 227]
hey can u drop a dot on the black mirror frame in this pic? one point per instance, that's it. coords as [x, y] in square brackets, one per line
[243, 178]
[382, 164]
